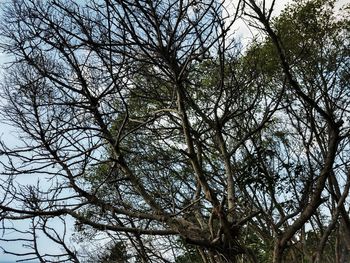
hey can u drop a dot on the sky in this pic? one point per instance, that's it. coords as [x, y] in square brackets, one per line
[8, 134]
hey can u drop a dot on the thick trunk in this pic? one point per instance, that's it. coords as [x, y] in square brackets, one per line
[278, 252]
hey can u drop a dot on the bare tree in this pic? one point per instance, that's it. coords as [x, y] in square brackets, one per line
[146, 125]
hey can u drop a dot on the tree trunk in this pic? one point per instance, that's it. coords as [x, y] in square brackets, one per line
[278, 252]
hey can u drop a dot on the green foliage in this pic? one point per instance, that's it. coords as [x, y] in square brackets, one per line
[112, 253]
[311, 36]
[117, 253]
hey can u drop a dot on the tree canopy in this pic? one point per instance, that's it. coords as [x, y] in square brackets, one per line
[149, 127]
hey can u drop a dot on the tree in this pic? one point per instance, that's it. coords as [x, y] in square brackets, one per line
[310, 44]
[157, 131]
